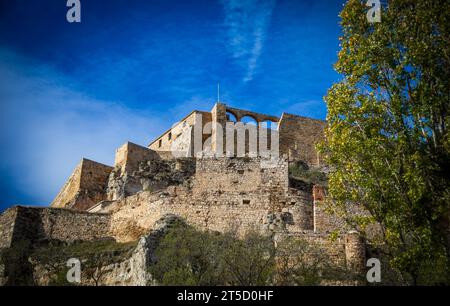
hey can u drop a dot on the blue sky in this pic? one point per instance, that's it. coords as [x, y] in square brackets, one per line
[132, 68]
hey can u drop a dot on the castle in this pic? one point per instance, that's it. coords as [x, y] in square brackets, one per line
[188, 171]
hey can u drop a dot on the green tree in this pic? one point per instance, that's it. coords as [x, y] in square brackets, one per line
[387, 140]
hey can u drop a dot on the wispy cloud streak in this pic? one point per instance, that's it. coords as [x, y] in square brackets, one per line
[247, 22]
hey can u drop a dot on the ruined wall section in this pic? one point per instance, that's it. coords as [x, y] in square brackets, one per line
[240, 174]
[179, 138]
[346, 251]
[129, 156]
[298, 137]
[7, 221]
[219, 117]
[85, 187]
[41, 225]
[225, 194]
[139, 169]
[122, 181]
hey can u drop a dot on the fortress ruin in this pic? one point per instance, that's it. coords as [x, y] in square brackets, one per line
[216, 192]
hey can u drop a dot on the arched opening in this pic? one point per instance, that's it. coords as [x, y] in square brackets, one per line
[249, 120]
[231, 117]
[251, 135]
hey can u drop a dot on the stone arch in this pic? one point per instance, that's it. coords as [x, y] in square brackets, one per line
[231, 116]
[248, 119]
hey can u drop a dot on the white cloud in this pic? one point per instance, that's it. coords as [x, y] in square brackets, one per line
[247, 22]
[47, 127]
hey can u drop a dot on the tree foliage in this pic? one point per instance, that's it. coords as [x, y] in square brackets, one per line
[387, 139]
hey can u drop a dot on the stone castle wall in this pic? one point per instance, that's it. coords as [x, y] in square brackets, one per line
[92, 182]
[70, 189]
[85, 187]
[299, 136]
[43, 224]
[129, 156]
[240, 175]
[179, 137]
[7, 221]
[245, 194]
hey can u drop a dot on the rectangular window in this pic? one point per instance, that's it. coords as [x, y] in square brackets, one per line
[160, 143]
[170, 135]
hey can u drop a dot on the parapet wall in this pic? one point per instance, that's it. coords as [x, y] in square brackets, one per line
[39, 224]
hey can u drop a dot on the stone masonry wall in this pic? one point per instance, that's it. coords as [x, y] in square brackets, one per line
[149, 174]
[42, 224]
[129, 156]
[346, 250]
[85, 187]
[240, 174]
[70, 189]
[226, 194]
[178, 137]
[7, 221]
[298, 137]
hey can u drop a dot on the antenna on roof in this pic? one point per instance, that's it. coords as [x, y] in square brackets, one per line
[218, 92]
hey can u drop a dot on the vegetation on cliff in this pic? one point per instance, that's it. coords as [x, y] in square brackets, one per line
[26, 264]
[186, 256]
